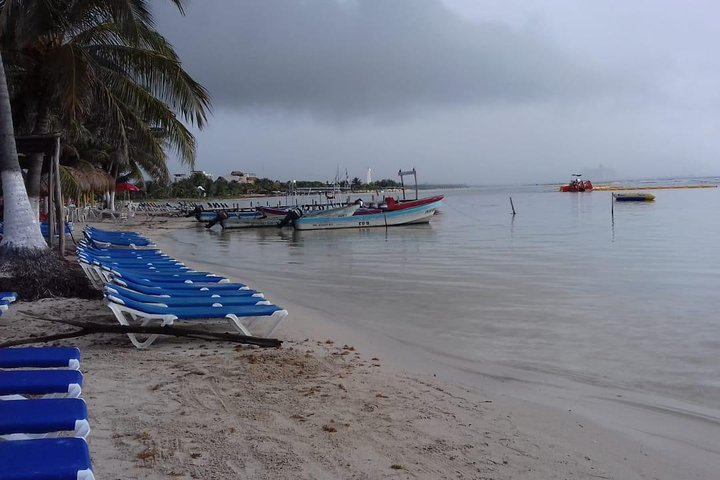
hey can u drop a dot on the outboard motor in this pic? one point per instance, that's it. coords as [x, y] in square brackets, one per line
[290, 218]
[196, 212]
[219, 218]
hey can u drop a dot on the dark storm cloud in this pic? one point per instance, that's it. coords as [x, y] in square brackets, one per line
[344, 59]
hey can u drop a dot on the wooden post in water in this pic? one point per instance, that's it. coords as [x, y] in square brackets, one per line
[512, 206]
[612, 206]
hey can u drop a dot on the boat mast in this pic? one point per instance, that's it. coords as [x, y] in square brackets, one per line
[402, 181]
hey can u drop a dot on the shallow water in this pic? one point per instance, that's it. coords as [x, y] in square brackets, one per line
[559, 288]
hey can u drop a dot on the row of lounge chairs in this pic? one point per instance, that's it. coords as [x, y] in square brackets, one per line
[144, 286]
[43, 421]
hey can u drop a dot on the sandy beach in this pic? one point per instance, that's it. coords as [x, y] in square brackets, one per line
[329, 404]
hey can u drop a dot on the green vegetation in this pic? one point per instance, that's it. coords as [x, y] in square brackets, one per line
[97, 72]
[221, 188]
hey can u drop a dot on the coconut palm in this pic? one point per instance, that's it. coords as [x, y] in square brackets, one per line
[21, 229]
[70, 58]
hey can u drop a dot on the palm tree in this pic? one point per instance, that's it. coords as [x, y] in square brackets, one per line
[21, 229]
[75, 57]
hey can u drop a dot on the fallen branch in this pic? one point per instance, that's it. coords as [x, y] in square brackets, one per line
[90, 328]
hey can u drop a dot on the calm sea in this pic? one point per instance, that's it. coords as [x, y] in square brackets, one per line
[560, 288]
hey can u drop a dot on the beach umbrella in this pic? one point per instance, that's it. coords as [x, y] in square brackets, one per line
[126, 187]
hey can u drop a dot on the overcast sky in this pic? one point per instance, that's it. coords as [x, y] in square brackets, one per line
[466, 91]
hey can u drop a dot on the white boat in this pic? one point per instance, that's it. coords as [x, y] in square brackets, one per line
[344, 211]
[406, 216]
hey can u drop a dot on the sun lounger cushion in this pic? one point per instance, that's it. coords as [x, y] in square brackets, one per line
[41, 382]
[8, 297]
[150, 277]
[45, 459]
[43, 357]
[204, 301]
[171, 291]
[44, 415]
[188, 313]
[225, 286]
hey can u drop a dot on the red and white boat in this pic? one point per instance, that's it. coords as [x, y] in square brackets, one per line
[577, 184]
[390, 204]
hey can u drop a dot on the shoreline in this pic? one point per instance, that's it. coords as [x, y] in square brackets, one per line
[635, 434]
[338, 402]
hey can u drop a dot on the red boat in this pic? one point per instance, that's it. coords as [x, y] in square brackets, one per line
[390, 204]
[577, 185]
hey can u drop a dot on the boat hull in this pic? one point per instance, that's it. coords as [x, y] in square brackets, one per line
[252, 222]
[634, 197]
[407, 216]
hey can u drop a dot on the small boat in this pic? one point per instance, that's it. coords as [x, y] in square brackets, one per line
[344, 211]
[246, 219]
[390, 204]
[634, 197]
[259, 219]
[406, 216]
[577, 185]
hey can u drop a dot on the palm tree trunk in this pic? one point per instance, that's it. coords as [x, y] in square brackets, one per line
[21, 228]
[36, 160]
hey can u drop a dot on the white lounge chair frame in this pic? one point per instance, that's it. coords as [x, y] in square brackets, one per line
[125, 315]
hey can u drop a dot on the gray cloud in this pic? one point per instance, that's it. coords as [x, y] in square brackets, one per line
[345, 59]
[498, 91]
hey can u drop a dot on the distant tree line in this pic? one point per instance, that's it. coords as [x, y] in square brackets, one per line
[221, 188]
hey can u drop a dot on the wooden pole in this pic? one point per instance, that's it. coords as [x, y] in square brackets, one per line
[60, 217]
[416, 185]
[512, 206]
[612, 205]
[50, 204]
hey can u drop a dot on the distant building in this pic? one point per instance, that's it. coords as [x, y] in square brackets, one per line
[240, 177]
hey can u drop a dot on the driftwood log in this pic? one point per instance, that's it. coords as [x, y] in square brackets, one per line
[90, 328]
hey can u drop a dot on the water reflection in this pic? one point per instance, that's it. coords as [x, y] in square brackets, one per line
[550, 291]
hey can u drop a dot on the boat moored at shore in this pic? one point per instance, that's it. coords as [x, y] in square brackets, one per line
[387, 218]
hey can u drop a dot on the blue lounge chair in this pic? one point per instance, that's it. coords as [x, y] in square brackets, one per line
[41, 382]
[45, 459]
[116, 239]
[192, 287]
[43, 416]
[40, 357]
[152, 276]
[126, 310]
[8, 297]
[121, 252]
[184, 290]
[196, 301]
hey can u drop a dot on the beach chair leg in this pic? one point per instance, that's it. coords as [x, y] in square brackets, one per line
[244, 328]
[235, 322]
[122, 317]
[278, 317]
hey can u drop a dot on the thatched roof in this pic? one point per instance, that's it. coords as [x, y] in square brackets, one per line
[78, 180]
